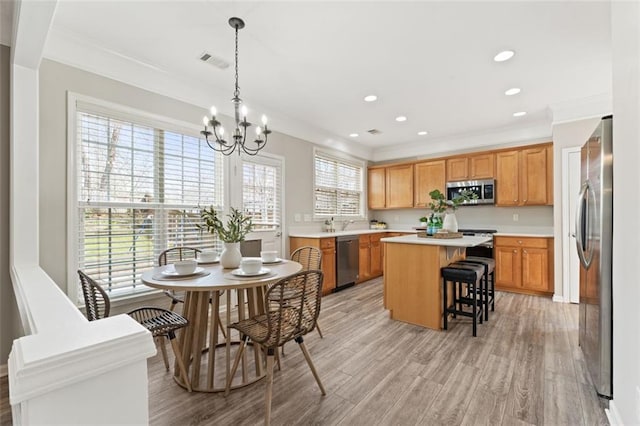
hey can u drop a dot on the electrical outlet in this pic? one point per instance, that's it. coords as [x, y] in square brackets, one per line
[307, 218]
[297, 217]
[516, 217]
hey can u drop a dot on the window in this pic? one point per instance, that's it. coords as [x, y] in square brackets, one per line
[338, 186]
[261, 193]
[140, 184]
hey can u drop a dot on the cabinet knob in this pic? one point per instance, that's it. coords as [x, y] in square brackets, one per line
[525, 201]
[515, 251]
[524, 251]
[515, 201]
[519, 241]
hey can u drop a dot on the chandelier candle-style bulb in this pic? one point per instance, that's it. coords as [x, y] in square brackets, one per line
[213, 131]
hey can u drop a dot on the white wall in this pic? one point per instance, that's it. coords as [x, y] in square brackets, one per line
[487, 217]
[565, 135]
[625, 406]
[56, 79]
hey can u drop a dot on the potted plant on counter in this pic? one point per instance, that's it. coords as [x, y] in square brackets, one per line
[440, 205]
[238, 226]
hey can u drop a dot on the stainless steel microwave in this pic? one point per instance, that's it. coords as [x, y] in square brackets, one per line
[484, 189]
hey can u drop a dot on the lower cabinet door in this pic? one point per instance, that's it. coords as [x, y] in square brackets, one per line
[535, 269]
[508, 264]
[329, 270]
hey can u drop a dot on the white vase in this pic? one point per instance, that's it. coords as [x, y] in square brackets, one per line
[231, 256]
[450, 222]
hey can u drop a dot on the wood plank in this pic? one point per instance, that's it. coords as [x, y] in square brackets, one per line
[380, 371]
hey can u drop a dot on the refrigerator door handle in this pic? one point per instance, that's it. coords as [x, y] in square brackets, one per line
[583, 242]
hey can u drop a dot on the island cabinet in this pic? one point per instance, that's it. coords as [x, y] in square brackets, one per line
[390, 187]
[524, 177]
[370, 262]
[524, 264]
[478, 166]
[328, 248]
[428, 176]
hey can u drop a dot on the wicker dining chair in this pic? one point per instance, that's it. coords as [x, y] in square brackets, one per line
[181, 253]
[310, 258]
[161, 323]
[291, 309]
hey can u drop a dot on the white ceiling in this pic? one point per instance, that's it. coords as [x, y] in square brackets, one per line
[308, 65]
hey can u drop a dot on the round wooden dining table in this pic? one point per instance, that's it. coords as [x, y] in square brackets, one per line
[208, 293]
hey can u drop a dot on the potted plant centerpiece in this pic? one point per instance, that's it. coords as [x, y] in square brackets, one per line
[238, 226]
[440, 205]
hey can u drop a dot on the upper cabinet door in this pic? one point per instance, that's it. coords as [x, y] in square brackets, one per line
[507, 178]
[428, 176]
[481, 166]
[376, 188]
[457, 168]
[533, 183]
[399, 186]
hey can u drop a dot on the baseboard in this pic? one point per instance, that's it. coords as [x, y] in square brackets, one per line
[558, 299]
[3, 370]
[613, 415]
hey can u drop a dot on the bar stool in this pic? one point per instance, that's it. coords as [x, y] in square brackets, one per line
[488, 293]
[459, 274]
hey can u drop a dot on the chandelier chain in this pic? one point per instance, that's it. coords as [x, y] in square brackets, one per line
[236, 93]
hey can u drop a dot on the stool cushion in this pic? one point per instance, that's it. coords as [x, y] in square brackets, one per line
[491, 263]
[469, 273]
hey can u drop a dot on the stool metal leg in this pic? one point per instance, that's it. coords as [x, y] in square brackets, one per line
[444, 303]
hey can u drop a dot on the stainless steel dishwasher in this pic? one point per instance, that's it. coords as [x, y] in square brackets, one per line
[347, 259]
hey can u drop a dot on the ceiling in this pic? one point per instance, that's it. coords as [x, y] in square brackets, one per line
[308, 65]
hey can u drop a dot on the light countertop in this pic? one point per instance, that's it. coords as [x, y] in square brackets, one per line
[347, 232]
[465, 241]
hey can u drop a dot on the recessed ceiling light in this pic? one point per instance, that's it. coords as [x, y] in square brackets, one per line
[519, 114]
[370, 98]
[401, 118]
[504, 55]
[512, 91]
[354, 135]
[422, 133]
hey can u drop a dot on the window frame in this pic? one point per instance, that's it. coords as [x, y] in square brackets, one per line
[129, 114]
[348, 160]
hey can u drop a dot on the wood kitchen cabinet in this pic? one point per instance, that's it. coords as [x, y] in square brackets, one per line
[370, 262]
[328, 248]
[457, 168]
[428, 176]
[390, 187]
[524, 177]
[376, 182]
[399, 186]
[468, 167]
[524, 264]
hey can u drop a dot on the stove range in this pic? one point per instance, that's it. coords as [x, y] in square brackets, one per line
[484, 249]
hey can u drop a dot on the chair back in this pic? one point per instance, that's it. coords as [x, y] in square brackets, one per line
[96, 300]
[177, 253]
[292, 306]
[250, 248]
[309, 257]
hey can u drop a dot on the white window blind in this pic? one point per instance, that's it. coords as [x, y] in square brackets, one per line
[140, 189]
[338, 187]
[261, 194]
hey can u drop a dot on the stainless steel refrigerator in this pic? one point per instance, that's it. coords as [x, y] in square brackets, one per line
[594, 235]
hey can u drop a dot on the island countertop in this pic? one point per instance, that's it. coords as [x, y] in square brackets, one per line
[466, 241]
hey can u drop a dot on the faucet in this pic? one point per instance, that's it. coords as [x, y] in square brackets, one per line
[346, 223]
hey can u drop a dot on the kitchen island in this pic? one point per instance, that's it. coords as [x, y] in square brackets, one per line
[412, 280]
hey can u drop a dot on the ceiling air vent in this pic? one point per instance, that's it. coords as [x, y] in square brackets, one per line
[374, 131]
[214, 60]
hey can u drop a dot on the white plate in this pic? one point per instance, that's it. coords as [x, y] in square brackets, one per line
[240, 273]
[202, 262]
[174, 273]
[278, 260]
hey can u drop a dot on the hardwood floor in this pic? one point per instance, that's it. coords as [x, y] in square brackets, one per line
[525, 367]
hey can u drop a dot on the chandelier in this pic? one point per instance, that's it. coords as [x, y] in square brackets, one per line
[215, 136]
